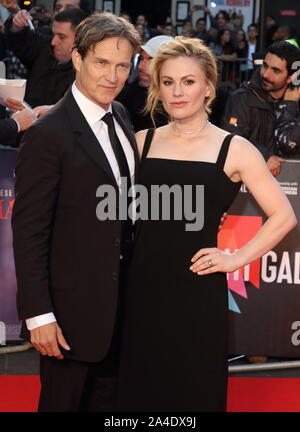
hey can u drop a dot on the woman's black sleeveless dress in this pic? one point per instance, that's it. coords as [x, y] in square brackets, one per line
[174, 350]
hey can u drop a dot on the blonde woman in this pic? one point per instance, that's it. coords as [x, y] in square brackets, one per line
[175, 332]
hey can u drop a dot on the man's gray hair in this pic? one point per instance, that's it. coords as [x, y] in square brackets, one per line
[99, 27]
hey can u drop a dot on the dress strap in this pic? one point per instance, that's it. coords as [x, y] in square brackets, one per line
[223, 151]
[147, 143]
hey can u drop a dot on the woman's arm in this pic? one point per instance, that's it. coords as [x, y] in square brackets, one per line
[246, 162]
[272, 200]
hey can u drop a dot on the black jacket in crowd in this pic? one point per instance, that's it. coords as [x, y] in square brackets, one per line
[134, 97]
[273, 126]
[8, 132]
[287, 130]
[48, 80]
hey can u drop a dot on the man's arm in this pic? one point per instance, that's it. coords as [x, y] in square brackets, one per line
[38, 173]
[36, 186]
[25, 43]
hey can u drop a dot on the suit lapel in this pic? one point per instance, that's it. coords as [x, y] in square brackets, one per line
[89, 142]
[86, 137]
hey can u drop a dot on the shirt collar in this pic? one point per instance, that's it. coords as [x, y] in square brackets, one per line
[91, 111]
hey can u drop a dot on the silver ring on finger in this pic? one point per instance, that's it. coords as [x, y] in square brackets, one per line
[210, 263]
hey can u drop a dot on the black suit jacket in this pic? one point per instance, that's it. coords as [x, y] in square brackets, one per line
[67, 261]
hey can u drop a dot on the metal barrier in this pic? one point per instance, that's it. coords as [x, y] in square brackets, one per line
[264, 366]
[16, 348]
[235, 71]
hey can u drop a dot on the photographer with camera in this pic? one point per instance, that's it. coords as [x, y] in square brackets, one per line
[265, 110]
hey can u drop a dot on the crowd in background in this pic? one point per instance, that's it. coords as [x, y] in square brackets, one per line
[37, 55]
[223, 33]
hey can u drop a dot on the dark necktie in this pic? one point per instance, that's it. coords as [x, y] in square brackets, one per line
[117, 147]
[124, 172]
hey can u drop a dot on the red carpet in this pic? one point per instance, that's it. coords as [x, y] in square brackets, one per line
[264, 395]
[19, 393]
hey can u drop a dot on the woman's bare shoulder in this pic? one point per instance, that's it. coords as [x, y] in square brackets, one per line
[140, 136]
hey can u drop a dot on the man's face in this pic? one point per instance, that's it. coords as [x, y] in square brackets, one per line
[252, 32]
[274, 75]
[141, 20]
[102, 73]
[169, 30]
[144, 69]
[62, 41]
[126, 16]
[280, 34]
[187, 30]
[201, 26]
[62, 5]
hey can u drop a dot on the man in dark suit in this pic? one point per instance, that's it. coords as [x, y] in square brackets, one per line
[70, 265]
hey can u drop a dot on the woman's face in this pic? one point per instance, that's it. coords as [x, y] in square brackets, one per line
[141, 29]
[221, 20]
[225, 37]
[183, 88]
[270, 22]
[239, 35]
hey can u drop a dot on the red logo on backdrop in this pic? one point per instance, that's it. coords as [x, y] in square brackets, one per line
[288, 12]
[6, 209]
[235, 232]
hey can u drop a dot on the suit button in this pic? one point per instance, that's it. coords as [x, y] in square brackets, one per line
[117, 242]
[115, 276]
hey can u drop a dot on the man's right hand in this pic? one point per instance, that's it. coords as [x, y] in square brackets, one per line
[274, 164]
[41, 110]
[25, 118]
[20, 20]
[47, 339]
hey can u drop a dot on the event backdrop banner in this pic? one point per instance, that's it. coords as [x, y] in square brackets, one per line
[9, 323]
[264, 297]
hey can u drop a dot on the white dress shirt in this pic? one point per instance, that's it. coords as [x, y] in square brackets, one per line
[93, 114]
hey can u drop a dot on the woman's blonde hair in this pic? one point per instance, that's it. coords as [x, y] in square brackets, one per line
[182, 47]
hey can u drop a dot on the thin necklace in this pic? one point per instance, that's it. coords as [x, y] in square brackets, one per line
[191, 131]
